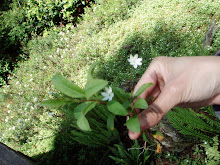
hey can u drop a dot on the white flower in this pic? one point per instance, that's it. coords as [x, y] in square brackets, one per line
[35, 99]
[108, 95]
[50, 113]
[32, 108]
[135, 61]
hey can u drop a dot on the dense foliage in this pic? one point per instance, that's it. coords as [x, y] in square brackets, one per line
[109, 32]
[22, 20]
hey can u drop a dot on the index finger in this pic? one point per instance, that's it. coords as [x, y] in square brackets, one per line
[149, 76]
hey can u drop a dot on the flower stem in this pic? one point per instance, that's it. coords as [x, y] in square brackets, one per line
[131, 79]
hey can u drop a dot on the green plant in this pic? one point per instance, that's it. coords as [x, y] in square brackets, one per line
[120, 102]
[174, 28]
[211, 151]
[189, 123]
[135, 155]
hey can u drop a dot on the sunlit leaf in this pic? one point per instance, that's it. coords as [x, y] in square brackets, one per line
[83, 124]
[141, 103]
[133, 124]
[93, 86]
[116, 108]
[67, 87]
[158, 135]
[142, 89]
[90, 72]
[54, 103]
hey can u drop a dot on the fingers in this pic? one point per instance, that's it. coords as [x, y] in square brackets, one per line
[148, 77]
[155, 112]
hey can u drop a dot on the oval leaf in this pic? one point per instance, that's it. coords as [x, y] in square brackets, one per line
[142, 89]
[133, 124]
[120, 94]
[91, 69]
[83, 124]
[83, 109]
[158, 135]
[54, 103]
[67, 87]
[93, 86]
[116, 108]
[110, 122]
[141, 103]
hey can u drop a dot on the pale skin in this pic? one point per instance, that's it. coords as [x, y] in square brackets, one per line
[178, 81]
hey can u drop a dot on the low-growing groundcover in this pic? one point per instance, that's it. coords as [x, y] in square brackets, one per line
[108, 34]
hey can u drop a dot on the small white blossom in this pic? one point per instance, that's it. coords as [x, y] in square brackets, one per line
[108, 95]
[35, 106]
[35, 99]
[32, 108]
[50, 113]
[28, 104]
[135, 61]
[205, 142]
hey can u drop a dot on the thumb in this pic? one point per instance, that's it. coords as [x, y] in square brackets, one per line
[157, 110]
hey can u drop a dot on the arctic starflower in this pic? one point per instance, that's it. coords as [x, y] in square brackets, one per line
[135, 61]
[108, 95]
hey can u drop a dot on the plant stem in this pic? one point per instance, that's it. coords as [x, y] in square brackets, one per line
[131, 79]
[99, 101]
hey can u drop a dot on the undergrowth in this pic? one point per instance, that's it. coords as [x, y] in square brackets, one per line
[109, 32]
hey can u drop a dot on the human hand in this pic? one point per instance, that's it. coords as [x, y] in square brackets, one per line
[182, 81]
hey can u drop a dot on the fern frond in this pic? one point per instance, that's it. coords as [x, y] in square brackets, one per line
[188, 123]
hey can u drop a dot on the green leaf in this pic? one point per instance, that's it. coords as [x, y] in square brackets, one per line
[67, 87]
[116, 108]
[120, 94]
[54, 103]
[83, 124]
[142, 89]
[141, 103]
[93, 86]
[133, 124]
[126, 104]
[90, 72]
[83, 109]
[110, 122]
